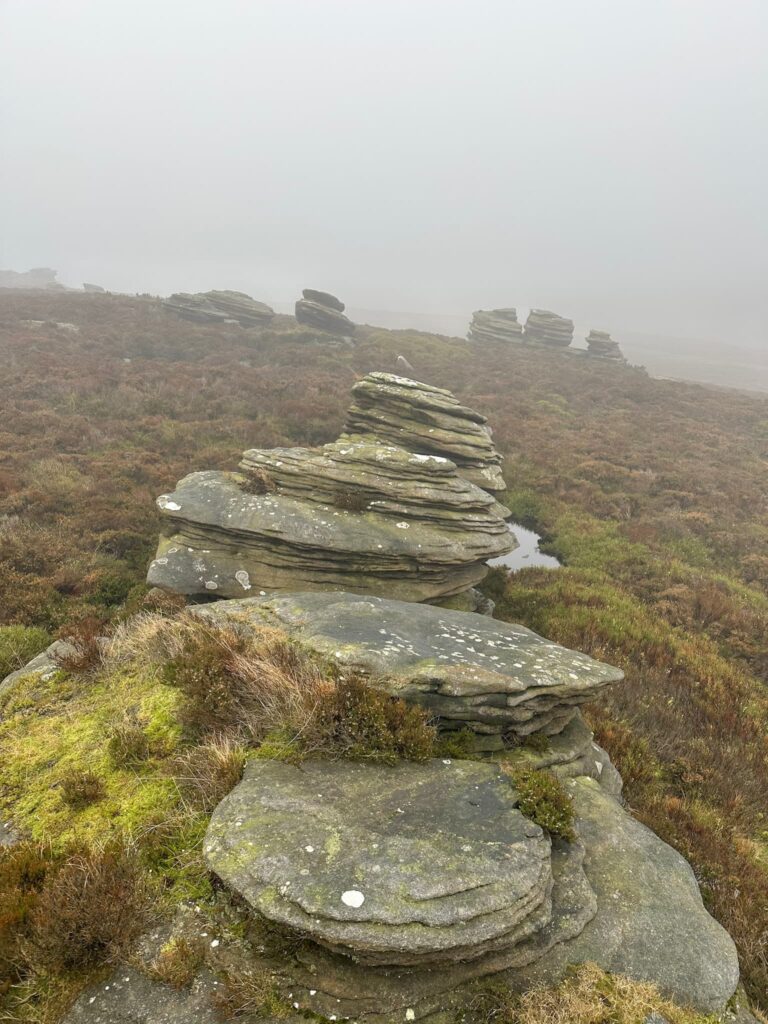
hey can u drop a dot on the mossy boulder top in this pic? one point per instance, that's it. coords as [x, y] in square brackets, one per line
[361, 514]
[417, 863]
[465, 669]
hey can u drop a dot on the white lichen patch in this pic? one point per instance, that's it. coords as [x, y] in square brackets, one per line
[352, 898]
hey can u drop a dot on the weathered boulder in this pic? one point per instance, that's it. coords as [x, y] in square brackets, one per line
[88, 287]
[651, 923]
[545, 328]
[220, 307]
[413, 865]
[495, 325]
[44, 664]
[359, 514]
[423, 418]
[601, 344]
[323, 310]
[324, 298]
[467, 670]
[38, 277]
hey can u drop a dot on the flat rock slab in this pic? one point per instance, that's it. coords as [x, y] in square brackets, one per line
[465, 669]
[130, 997]
[395, 865]
[651, 923]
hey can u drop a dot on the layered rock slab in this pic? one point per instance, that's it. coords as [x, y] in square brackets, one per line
[466, 670]
[545, 328]
[651, 923]
[323, 310]
[416, 864]
[362, 514]
[429, 420]
[220, 307]
[602, 345]
[491, 325]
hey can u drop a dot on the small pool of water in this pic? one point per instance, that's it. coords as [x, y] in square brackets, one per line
[527, 554]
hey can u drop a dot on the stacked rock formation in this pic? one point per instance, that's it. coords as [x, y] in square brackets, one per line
[323, 310]
[407, 882]
[545, 328]
[467, 671]
[361, 514]
[495, 325]
[422, 418]
[220, 307]
[602, 345]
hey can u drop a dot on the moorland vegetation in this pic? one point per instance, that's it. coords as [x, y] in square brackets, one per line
[652, 493]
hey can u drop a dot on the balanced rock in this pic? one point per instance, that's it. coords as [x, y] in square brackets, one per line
[466, 670]
[545, 328]
[427, 419]
[323, 310]
[360, 514]
[220, 307]
[495, 325]
[601, 344]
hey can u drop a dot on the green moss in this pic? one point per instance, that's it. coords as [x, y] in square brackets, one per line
[66, 736]
[18, 645]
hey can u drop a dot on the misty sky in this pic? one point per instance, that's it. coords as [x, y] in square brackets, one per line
[603, 158]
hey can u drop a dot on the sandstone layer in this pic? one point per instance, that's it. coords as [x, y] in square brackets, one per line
[426, 419]
[359, 514]
[545, 328]
[323, 310]
[601, 344]
[495, 325]
[220, 307]
[466, 670]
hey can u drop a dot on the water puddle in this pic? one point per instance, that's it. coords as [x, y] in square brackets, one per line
[527, 555]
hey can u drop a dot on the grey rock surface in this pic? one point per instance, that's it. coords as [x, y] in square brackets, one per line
[429, 420]
[220, 307]
[600, 344]
[325, 317]
[324, 298]
[491, 325]
[44, 664]
[361, 514]
[651, 923]
[465, 669]
[545, 328]
[413, 864]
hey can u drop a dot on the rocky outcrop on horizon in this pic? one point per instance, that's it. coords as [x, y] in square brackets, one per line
[39, 277]
[364, 513]
[495, 325]
[95, 288]
[323, 310]
[545, 328]
[602, 345]
[220, 307]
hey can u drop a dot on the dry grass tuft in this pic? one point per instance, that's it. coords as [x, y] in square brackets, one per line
[178, 962]
[85, 641]
[206, 773]
[81, 789]
[251, 992]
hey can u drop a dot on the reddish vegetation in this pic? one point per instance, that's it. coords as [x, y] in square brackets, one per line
[653, 493]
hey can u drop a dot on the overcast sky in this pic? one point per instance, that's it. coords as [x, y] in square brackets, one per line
[602, 158]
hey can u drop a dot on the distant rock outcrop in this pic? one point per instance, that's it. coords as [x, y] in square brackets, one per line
[88, 287]
[495, 325]
[323, 310]
[393, 507]
[39, 277]
[220, 307]
[601, 344]
[545, 328]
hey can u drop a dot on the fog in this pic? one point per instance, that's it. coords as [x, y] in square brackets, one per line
[603, 159]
